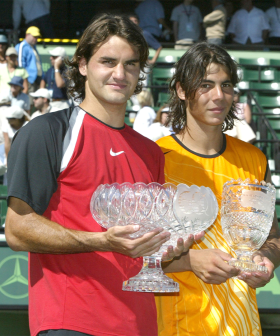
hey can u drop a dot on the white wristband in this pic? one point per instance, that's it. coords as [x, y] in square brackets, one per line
[56, 70]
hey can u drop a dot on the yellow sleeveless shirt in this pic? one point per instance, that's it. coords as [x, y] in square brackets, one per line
[228, 309]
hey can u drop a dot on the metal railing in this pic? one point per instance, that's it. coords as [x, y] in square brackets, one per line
[267, 138]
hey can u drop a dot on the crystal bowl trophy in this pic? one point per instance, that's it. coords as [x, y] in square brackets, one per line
[180, 210]
[247, 213]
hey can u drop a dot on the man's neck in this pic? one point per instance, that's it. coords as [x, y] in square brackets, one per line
[112, 115]
[187, 2]
[205, 140]
[11, 67]
[44, 109]
[248, 9]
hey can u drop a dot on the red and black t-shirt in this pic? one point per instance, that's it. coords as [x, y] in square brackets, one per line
[55, 164]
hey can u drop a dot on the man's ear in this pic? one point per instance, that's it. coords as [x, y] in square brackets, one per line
[83, 66]
[180, 91]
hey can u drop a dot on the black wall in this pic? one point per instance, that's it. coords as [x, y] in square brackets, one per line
[71, 17]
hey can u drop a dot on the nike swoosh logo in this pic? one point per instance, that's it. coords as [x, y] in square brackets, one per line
[167, 152]
[115, 154]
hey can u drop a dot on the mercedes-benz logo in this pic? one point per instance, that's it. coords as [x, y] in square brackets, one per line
[15, 262]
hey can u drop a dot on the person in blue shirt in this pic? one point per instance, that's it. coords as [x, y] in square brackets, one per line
[28, 58]
[150, 39]
[151, 16]
[54, 80]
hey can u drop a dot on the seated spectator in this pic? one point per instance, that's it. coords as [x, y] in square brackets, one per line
[248, 25]
[16, 117]
[241, 129]
[3, 48]
[187, 22]
[55, 81]
[151, 16]
[146, 115]
[18, 98]
[273, 17]
[215, 23]
[243, 110]
[41, 100]
[36, 13]
[11, 69]
[158, 128]
[5, 103]
[150, 39]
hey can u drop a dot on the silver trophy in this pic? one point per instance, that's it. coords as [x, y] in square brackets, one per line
[247, 214]
[180, 210]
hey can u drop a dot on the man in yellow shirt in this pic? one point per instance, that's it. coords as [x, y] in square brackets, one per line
[211, 302]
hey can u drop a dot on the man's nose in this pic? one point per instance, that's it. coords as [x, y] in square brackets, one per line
[119, 71]
[217, 92]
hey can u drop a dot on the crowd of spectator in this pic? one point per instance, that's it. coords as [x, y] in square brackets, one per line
[248, 25]
[26, 91]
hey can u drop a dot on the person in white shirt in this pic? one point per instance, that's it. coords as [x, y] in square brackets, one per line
[3, 48]
[41, 99]
[241, 129]
[146, 115]
[248, 25]
[36, 13]
[158, 129]
[273, 17]
[16, 117]
[187, 21]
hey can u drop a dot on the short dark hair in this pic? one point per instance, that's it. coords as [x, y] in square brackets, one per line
[131, 14]
[190, 71]
[94, 36]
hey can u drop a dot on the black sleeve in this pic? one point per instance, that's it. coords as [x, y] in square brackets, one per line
[35, 158]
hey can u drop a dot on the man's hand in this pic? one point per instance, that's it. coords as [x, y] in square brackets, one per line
[58, 62]
[211, 265]
[182, 247]
[117, 240]
[258, 279]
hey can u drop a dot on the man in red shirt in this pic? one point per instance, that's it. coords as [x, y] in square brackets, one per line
[76, 268]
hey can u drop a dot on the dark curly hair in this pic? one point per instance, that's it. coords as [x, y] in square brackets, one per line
[190, 71]
[93, 37]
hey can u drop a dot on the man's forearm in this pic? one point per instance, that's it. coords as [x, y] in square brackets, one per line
[27, 231]
[178, 264]
[35, 233]
[271, 250]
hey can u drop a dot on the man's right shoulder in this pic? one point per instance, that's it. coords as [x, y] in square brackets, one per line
[179, 7]
[239, 12]
[50, 124]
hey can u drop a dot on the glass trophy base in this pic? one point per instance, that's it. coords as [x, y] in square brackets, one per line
[247, 266]
[158, 284]
[151, 278]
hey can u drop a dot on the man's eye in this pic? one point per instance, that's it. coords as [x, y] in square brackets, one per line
[205, 86]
